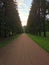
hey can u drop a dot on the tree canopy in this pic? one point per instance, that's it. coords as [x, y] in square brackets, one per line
[37, 17]
[10, 23]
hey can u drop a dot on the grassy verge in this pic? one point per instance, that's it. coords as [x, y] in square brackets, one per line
[43, 42]
[6, 41]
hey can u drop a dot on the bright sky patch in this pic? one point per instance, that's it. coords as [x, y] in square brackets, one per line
[24, 8]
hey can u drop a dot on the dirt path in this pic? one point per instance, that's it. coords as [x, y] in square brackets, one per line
[23, 51]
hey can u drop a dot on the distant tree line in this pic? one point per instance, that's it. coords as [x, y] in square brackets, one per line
[10, 23]
[37, 21]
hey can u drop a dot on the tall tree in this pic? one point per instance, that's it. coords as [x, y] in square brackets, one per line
[36, 20]
[10, 19]
[43, 11]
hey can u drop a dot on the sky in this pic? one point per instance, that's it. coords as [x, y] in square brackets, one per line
[23, 9]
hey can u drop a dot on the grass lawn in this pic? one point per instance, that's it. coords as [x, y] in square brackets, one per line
[43, 42]
[6, 41]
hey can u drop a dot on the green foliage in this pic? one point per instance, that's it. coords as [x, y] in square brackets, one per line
[37, 18]
[41, 41]
[9, 19]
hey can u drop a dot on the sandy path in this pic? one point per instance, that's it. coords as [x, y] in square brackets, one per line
[23, 51]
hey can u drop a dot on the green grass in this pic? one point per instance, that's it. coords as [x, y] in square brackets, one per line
[43, 42]
[7, 41]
